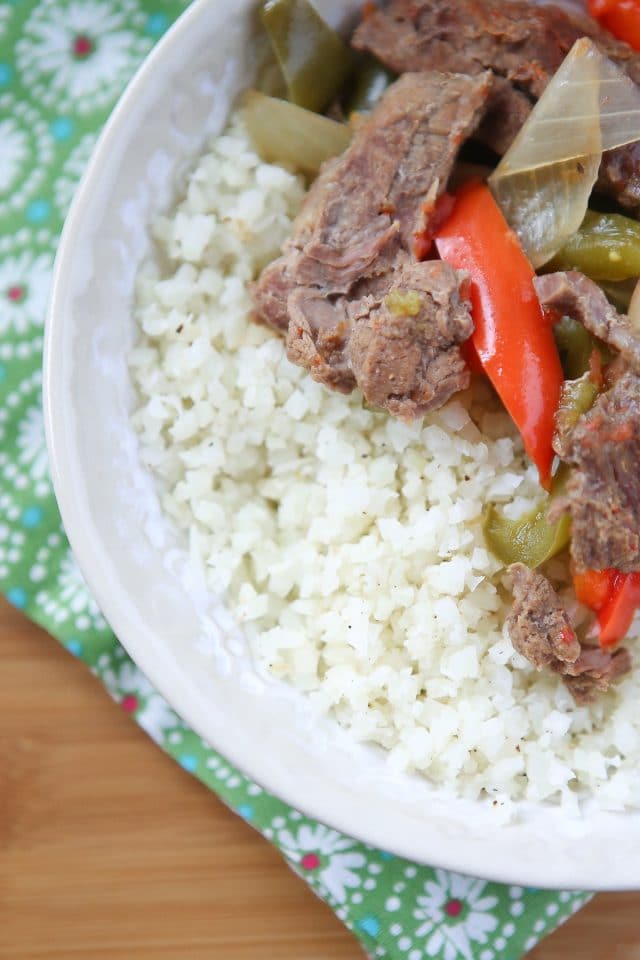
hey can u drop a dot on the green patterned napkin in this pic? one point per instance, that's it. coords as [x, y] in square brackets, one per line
[63, 64]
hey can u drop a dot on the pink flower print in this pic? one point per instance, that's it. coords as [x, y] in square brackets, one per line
[327, 854]
[456, 914]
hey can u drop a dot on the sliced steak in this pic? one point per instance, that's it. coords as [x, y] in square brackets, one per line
[603, 490]
[619, 176]
[523, 42]
[398, 342]
[603, 446]
[537, 622]
[351, 247]
[404, 352]
[368, 204]
[271, 292]
[594, 671]
[509, 108]
[317, 338]
[520, 41]
[540, 630]
[571, 293]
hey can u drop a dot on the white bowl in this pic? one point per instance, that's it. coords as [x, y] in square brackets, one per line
[136, 565]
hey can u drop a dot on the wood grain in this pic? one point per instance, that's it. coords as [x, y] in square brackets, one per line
[109, 851]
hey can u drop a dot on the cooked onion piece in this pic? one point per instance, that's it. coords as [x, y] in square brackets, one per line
[287, 134]
[544, 181]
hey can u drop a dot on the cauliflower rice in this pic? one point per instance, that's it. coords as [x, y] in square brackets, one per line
[349, 545]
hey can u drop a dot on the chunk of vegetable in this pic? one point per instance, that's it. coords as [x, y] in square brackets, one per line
[620, 17]
[544, 180]
[576, 346]
[314, 59]
[512, 337]
[634, 309]
[605, 247]
[616, 616]
[407, 303]
[614, 596]
[298, 138]
[593, 587]
[576, 397]
[530, 539]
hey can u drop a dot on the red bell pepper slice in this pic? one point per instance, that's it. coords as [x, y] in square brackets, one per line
[614, 596]
[594, 587]
[619, 17]
[512, 338]
[616, 616]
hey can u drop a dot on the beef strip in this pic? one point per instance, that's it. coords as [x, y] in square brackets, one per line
[603, 490]
[537, 622]
[369, 201]
[351, 247]
[603, 447]
[407, 360]
[540, 630]
[318, 336]
[577, 296]
[594, 671]
[520, 41]
[509, 108]
[404, 358]
[619, 176]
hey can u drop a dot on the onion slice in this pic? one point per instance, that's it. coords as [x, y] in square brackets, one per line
[544, 181]
[634, 309]
[284, 133]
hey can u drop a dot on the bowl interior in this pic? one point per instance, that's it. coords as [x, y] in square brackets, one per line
[137, 566]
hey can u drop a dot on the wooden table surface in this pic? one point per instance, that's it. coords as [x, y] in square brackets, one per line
[109, 851]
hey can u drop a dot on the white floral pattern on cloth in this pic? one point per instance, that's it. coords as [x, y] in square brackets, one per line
[69, 598]
[72, 170]
[139, 698]
[11, 546]
[455, 915]
[5, 14]
[24, 288]
[22, 421]
[26, 149]
[62, 65]
[14, 150]
[31, 442]
[79, 54]
[332, 857]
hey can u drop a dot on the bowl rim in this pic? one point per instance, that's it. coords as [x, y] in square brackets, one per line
[452, 857]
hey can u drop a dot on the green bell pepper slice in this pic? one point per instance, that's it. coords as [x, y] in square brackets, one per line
[605, 247]
[315, 61]
[530, 539]
[576, 397]
[575, 346]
